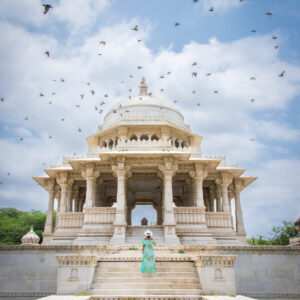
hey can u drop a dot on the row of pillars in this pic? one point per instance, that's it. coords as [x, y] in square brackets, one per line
[122, 171]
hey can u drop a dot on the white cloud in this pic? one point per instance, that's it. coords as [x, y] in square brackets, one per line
[273, 197]
[79, 14]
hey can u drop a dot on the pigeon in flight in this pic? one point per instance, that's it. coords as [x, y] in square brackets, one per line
[274, 37]
[140, 67]
[135, 28]
[176, 24]
[62, 80]
[252, 78]
[93, 92]
[276, 47]
[106, 95]
[252, 100]
[216, 92]
[208, 74]
[194, 74]
[198, 104]
[162, 76]
[82, 96]
[161, 90]
[26, 118]
[102, 43]
[212, 9]
[175, 101]
[79, 129]
[47, 7]
[268, 14]
[41, 95]
[47, 53]
[253, 30]
[2, 99]
[193, 92]
[194, 64]
[281, 74]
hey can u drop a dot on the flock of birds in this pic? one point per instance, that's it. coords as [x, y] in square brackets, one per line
[99, 107]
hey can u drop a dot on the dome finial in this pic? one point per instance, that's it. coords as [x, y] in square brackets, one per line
[143, 87]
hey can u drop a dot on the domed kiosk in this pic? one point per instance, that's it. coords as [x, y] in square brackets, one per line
[144, 154]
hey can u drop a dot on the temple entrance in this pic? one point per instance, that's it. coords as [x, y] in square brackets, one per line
[144, 212]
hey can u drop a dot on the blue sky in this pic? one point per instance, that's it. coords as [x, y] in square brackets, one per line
[221, 42]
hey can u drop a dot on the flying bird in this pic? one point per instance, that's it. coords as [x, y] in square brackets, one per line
[21, 139]
[62, 80]
[162, 76]
[50, 136]
[106, 95]
[47, 53]
[41, 95]
[252, 100]
[79, 129]
[194, 64]
[47, 7]
[102, 43]
[88, 83]
[252, 78]
[169, 73]
[140, 67]
[208, 74]
[216, 92]
[82, 96]
[62, 119]
[194, 74]
[212, 9]
[102, 103]
[93, 92]
[253, 30]
[198, 104]
[53, 93]
[26, 118]
[193, 92]
[77, 105]
[161, 90]
[139, 41]
[274, 37]
[281, 74]
[175, 101]
[276, 47]
[2, 99]
[268, 14]
[176, 24]
[135, 28]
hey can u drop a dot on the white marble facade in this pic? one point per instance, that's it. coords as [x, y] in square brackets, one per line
[144, 153]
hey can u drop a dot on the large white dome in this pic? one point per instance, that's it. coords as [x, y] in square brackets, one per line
[144, 109]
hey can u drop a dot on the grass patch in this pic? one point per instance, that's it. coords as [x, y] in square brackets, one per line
[132, 248]
[181, 251]
[83, 294]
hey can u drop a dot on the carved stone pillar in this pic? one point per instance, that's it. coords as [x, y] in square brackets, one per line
[62, 180]
[120, 170]
[50, 186]
[212, 197]
[76, 200]
[70, 197]
[198, 175]
[219, 195]
[90, 173]
[238, 209]
[168, 170]
[226, 180]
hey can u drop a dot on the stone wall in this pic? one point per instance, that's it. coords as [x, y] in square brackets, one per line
[260, 272]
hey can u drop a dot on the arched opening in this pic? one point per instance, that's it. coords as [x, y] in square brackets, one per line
[154, 137]
[104, 144]
[176, 144]
[133, 137]
[183, 144]
[144, 137]
[143, 211]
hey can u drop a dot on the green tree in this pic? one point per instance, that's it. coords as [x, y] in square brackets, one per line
[15, 223]
[282, 234]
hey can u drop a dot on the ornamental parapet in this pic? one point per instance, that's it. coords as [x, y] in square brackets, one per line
[69, 220]
[219, 219]
[99, 215]
[77, 260]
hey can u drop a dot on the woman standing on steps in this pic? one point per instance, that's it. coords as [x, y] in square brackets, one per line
[148, 260]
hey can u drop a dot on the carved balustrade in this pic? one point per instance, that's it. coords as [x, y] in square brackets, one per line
[69, 220]
[221, 220]
[189, 215]
[99, 215]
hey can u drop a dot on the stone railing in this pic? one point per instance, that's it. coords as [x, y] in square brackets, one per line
[189, 215]
[99, 215]
[73, 220]
[219, 220]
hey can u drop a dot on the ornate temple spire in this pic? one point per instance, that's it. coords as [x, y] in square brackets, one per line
[143, 87]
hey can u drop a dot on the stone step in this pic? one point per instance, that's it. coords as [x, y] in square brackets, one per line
[147, 285]
[126, 269]
[157, 263]
[132, 292]
[148, 297]
[146, 279]
[162, 275]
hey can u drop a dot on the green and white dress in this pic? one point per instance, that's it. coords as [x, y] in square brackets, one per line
[148, 260]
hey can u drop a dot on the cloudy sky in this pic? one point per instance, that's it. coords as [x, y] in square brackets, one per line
[253, 122]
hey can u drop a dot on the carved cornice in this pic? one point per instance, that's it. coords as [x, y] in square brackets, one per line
[215, 260]
[77, 260]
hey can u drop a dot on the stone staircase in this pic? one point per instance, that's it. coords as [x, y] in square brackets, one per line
[124, 278]
[135, 234]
